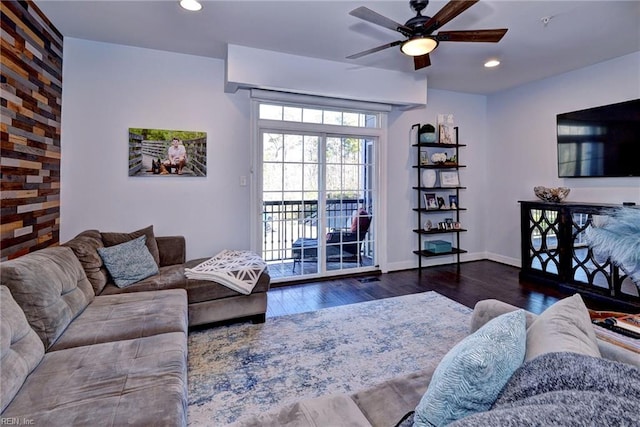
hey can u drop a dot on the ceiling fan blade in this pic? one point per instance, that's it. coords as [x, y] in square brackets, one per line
[447, 13]
[375, 49]
[375, 18]
[421, 61]
[487, 36]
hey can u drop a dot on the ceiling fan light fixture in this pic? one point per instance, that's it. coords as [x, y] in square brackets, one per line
[192, 5]
[419, 45]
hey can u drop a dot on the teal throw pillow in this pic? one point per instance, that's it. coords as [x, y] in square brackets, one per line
[471, 374]
[129, 262]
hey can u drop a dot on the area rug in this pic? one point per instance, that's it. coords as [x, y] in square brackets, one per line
[244, 369]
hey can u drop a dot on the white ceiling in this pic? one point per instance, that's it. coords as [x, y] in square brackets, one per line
[579, 33]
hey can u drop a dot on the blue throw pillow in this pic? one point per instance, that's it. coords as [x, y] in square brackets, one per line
[129, 262]
[471, 374]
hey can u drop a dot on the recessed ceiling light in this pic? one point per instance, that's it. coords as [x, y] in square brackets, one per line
[192, 5]
[492, 63]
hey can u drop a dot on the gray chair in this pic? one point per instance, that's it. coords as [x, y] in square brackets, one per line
[341, 245]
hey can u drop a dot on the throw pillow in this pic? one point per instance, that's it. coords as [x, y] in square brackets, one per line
[565, 326]
[85, 246]
[361, 222]
[112, 239]
[129, 262]
[471, 375]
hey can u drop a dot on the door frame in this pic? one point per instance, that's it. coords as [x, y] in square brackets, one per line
[380, 174]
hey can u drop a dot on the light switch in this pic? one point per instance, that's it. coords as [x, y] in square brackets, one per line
[243, 181]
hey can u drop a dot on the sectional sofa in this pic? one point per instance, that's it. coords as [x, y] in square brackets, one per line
[70, 358]
[209, 301]
[77, 350]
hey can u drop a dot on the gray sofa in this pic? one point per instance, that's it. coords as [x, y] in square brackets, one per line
[208, 301]
[387, 404]
[70, 358]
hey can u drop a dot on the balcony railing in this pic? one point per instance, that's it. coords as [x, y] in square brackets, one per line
[283, 222]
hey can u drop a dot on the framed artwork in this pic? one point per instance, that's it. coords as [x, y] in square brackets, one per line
[441, 204]
[446, 134]
[449, 179]
[166, 152]
[430, 201]
[453, 201]
[424, 157]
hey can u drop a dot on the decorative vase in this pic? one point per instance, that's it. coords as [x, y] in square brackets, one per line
[428, 178]
[428, 137]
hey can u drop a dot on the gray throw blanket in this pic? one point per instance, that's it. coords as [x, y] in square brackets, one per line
[565, 389]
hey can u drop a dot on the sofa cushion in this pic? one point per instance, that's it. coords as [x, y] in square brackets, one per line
[172, 277]
[387, 403]
[129, 262]
[332, 410]
[127, 316]
[112, 239]
[471, 375]
[20, 348]
[85, 245]
[51, 288]
[140, 382]
[565, 326]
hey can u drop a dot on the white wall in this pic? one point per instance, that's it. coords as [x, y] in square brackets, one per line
[522, 146]
[470, 115]
[109, 88]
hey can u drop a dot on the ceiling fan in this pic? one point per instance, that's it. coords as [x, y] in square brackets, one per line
[418, 30]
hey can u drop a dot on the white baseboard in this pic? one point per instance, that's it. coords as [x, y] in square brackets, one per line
[515, 262]
[429, 262]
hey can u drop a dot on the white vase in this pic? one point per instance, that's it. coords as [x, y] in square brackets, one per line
[428, 178]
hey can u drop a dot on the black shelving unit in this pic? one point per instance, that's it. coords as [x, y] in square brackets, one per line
[423, 213]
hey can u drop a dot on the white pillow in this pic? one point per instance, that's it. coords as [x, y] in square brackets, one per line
[565, 326]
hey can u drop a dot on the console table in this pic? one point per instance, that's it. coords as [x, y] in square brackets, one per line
[554, 251]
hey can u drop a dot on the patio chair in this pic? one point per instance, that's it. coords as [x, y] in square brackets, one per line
[341, 245]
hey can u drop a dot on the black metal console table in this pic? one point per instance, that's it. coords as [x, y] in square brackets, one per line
[554, 251]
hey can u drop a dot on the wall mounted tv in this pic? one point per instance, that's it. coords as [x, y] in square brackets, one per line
[600, 142]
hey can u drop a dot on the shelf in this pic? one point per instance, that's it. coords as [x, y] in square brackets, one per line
[427, 254]
[451, 166]
[423, 210]
[451, 230]
[452, 151]
[437, 144]
[438, 188]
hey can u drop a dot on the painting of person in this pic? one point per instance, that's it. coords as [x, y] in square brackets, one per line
[176, 156]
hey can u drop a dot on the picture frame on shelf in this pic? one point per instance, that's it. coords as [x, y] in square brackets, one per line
[453, 201]
[441, 204]
[449, 179]
[424, 158]
[446, 134]
[430, 201]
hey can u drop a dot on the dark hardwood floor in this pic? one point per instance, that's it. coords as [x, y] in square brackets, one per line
[476, 281]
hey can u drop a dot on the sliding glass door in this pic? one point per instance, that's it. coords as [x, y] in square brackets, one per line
[318, 200]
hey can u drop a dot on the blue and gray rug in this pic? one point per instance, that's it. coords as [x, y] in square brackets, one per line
[244, 369]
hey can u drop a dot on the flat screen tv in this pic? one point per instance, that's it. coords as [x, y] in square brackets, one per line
[600, 142]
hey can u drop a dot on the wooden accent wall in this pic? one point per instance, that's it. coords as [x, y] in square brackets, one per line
[30, 116]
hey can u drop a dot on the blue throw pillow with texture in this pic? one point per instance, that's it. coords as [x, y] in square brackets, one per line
[129, 262]
[471, 375]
